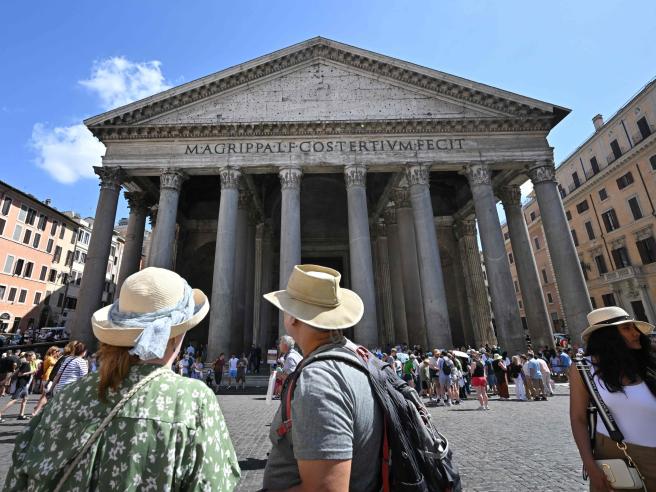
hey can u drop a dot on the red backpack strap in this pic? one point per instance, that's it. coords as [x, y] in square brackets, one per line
[286, 409]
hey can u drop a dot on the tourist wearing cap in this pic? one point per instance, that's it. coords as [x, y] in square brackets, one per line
[337, 425]
[134, 425]
[623, 364]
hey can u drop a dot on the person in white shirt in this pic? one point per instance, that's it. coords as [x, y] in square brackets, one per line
[232, 370]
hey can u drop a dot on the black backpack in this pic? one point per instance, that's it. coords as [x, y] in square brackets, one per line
[446, 367]
[415, 456]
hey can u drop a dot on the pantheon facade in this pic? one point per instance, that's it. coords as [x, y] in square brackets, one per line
[329, 154]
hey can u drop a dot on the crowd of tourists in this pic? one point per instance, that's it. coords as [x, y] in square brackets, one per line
[140, 413]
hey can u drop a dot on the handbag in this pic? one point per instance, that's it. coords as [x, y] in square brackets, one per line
[621, 474]
[75, 460]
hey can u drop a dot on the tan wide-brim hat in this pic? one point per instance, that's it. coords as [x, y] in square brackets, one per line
[313, 296]
[612, 316]
[147, 291]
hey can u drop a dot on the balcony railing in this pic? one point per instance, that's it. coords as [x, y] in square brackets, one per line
[623, 274]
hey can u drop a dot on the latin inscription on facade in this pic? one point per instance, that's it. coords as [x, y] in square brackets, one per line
[319, 146]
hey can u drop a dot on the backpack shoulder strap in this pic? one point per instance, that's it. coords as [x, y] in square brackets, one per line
[290, 383]
[585, 370]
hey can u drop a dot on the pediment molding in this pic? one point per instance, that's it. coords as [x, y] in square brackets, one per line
[516, 107]
[323, 128]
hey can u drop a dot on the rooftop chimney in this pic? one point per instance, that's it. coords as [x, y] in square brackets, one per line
[598, 122]
[47, 201]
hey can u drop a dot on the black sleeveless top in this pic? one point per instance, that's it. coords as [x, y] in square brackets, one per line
[479, 371]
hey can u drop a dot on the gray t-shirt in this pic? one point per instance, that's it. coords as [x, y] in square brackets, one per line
[334, 417]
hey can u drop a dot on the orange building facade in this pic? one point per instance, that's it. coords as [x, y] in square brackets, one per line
[36, 243]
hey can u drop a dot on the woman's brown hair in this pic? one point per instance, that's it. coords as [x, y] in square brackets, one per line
[115, 364]
[52, 351]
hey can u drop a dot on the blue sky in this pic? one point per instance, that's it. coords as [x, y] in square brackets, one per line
[65, 61]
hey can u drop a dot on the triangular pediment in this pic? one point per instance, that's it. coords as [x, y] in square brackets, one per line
[322, 91]
[321, 80]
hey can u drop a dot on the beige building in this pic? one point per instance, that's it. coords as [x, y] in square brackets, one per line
[608, 189]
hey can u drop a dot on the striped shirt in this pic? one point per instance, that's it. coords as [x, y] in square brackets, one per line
[73, 369]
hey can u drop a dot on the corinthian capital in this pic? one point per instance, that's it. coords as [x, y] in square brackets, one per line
[511, 196]
[465, 227]
[138, 201]
[110, 177]
[401, 197]
[478, 174]
[229, 178]
[355, 175]
[171, 179]
[417, 174]
[290, 178]
[542, 171]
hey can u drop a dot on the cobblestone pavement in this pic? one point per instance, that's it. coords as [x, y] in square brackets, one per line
[517, 446]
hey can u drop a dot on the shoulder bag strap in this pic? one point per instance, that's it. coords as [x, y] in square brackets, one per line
[60, 373]
[101, 428]
[584, 368]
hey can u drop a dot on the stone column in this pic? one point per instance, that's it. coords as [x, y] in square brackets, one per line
[396, 277]
[438, 328]
[537, 316]
[133, 249]
[239, 294]
[224, 265]
[414, 308]
[152, 215]
[249, 332]
[479, 307]
[504, 301]
[266, 309]
[384, 287]
[362, 272]
[162, 247]
[95, 268]
[573, 290]
[257, 283]
[290, 227]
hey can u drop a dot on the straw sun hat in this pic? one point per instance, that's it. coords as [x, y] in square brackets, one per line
[612, 316]
[313, 296]
[150, 290]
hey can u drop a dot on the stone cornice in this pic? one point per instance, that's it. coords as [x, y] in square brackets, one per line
[320, 49]
[321, 128]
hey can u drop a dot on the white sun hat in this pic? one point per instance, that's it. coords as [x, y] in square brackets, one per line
[152, 300]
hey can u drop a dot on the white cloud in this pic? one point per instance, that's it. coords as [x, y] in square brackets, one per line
[119, 81]
[67, 153]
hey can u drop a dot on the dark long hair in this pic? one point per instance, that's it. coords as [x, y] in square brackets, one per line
[615, 361]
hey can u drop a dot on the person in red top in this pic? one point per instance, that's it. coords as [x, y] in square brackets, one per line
[219, 366]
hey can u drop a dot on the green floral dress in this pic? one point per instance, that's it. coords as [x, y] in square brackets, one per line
[170, 436]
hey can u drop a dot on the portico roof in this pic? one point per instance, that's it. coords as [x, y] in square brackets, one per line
[466, 104]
